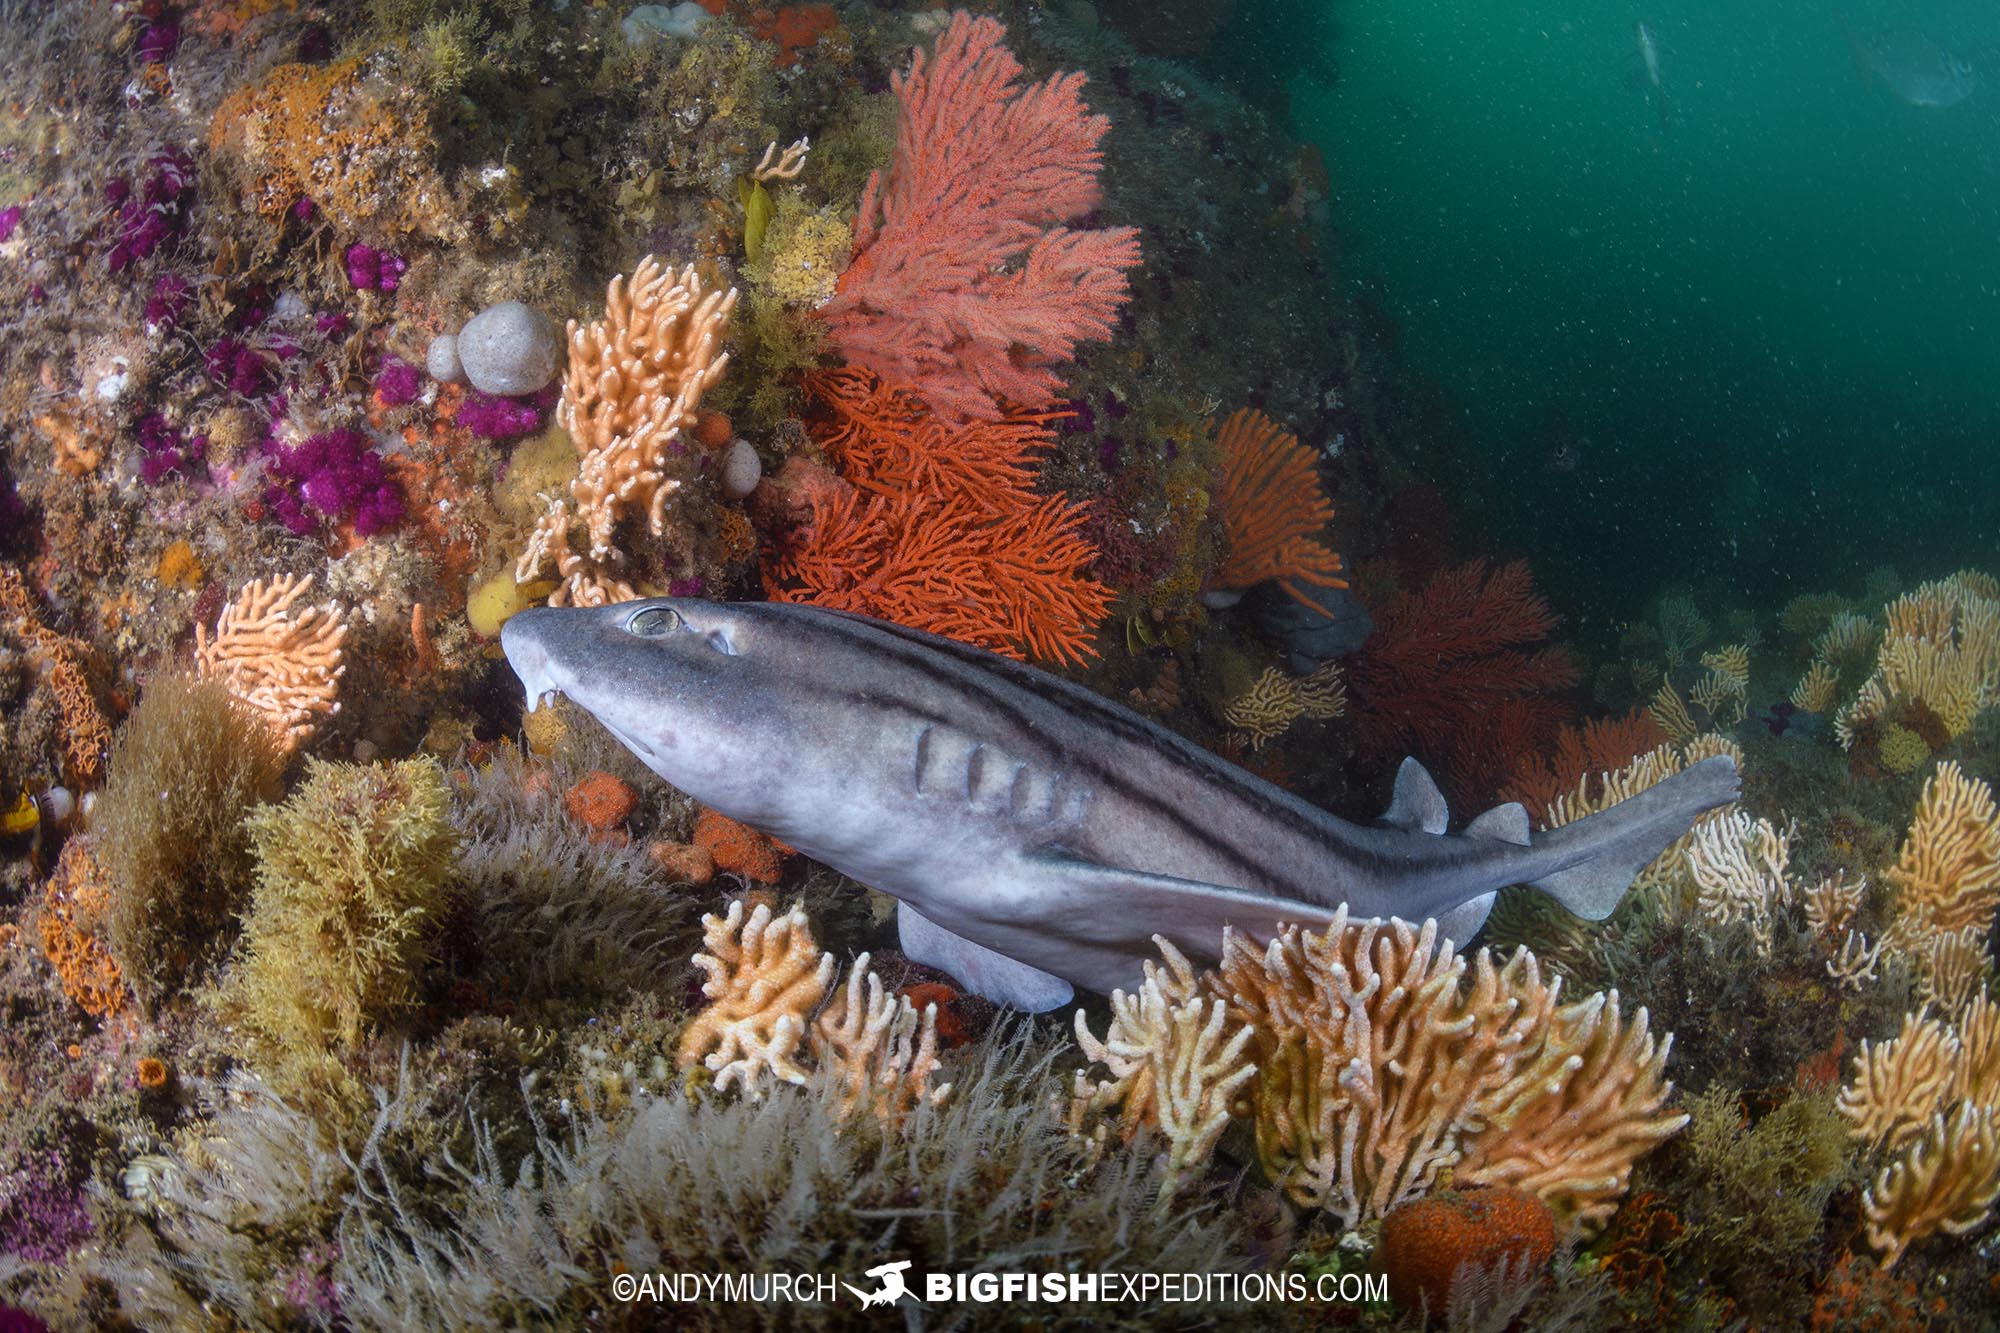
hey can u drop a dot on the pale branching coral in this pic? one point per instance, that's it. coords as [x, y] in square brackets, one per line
[1724, 691]
[1173, 1065]
[1847, 641]
[1952, 967]
[1947, 876]
[1382, 1061]
[1817, 689]
[1832, 903]
[1946, 1182]
[1276, 700]
[1671, 712]
[279, 661]
[1898, 1085]
[635, 380]
[1931, 1098]
[1941, 649]
[1853, 966]
[1739, 867]
[765, 978]
[882, 1051]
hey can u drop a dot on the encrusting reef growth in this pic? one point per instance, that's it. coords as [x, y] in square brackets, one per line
[340, 994]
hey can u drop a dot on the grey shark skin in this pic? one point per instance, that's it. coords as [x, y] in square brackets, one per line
[1036, 835]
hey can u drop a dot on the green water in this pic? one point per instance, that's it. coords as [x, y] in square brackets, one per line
[1768, 330]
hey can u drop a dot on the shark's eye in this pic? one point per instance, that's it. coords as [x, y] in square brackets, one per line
[653, 621]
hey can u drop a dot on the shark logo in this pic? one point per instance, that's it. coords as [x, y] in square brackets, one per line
[892, 1289]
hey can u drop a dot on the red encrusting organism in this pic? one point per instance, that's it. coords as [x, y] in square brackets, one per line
[1453, 675]
[965, 283]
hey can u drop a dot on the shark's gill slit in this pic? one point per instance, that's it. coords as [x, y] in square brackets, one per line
[975, 771]
[1017, 793]
[923, 762]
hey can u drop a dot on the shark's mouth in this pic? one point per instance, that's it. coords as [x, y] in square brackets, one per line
[532, 667]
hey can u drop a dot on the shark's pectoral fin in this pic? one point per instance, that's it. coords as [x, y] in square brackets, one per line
[1112, 914]
[979, 969]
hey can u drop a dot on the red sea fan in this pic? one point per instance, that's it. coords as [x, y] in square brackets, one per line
[964, 284]
[1453, 675]
[1600, 745]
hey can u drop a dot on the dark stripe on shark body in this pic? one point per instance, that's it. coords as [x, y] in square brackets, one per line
[1157, 740]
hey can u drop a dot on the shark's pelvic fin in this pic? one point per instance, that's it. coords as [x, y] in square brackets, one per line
[1416, 805]
[1616, 844]
[1462, 922]
[979, 969]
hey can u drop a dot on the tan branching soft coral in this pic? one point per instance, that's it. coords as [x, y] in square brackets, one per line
[634, 384]
[1724, 690]
[1941, 649]
[1899, 1083]
[1382, 1060]
[280, 662]
[1947, 876]
[1931, 1099]
[1174, 1065]
[766, 976]
[1276, 699]
[766, 979]
[882, 1051]
[1817, 689]
[1946, 1182]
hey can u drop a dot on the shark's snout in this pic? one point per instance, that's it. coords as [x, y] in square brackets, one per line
[524, 639]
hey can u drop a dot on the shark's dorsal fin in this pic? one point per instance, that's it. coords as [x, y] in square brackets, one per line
[1416, 806]
[1503, 823]
[979, 969]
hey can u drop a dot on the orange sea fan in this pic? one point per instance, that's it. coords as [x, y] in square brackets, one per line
[1009, 580]
[1272, 508]
[888, 442]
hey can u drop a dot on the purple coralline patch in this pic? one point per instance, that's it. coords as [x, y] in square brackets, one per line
[397, 382]
[493, 418]
[164, 449]
[158, 42]
[310, 1287]
[238, 367]
[372, 270]
[10, 218]
[168, 302]
[332, 477]
[685, 587]
[156, 213]
[42, 1213]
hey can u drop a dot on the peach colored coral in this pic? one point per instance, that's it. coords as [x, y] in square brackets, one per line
[280, 661]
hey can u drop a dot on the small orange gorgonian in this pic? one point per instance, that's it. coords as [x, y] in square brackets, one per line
[1272, 508]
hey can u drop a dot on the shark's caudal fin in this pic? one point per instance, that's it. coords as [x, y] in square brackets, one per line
[1614, 845]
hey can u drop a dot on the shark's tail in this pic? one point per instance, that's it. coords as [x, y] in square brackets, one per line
[1605, 852]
